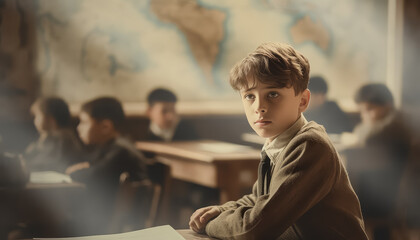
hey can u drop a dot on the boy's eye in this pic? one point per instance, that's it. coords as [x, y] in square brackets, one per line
[273, 94]
[249, 97]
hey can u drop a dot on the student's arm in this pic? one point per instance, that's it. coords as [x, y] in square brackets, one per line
[77, 167]
[202, 216]
[247, 200]
[105, 168]
[305, 176]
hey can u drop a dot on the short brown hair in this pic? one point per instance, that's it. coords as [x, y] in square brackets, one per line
[161, 95]
[106, 108]
[55, 107]
[272, 63]
[374, 93]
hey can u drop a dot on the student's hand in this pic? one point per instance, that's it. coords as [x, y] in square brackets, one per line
[202, 216]
[77, 167]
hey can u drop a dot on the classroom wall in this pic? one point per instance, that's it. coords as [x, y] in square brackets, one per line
[19, 82]
[80, 49]
[18, 77]
[411, 59]
[86, 48]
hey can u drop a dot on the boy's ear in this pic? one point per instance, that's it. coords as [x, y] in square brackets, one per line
[304, 100]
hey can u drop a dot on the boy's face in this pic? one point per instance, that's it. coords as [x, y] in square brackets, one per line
[43, 123]
[372, 113]
[89, 129]
[163, 114]
[271, 110]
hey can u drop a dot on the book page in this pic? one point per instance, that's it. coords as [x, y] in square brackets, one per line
[165, 232]
[49, 177]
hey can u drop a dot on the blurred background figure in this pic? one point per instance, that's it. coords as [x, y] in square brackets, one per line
[324, 111]
[165, 124]
[110, 156]
[377, 162]
[58, 145]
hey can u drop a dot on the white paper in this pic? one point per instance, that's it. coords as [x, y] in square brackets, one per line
[49, 177]
[165, 232]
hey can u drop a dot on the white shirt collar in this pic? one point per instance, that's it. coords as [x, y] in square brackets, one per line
[165, 134]
[275, 147]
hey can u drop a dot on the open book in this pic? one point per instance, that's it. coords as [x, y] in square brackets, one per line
[165, 232]
[49, 177]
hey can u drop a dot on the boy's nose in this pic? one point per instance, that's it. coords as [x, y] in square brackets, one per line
[261, 107]
[260, 110]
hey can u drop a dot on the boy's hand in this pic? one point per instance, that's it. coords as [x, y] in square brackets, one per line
[202, 216]
[77, 167]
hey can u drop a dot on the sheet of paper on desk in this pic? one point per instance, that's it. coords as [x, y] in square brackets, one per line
[222, 147]
[49, 177]
[165, 232]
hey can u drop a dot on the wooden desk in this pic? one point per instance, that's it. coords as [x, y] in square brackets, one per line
[253, 138]
[226, 166]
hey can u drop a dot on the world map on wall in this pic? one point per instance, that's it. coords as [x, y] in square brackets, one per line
[127, 48]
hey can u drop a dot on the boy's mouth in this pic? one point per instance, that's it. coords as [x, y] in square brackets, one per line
[262, 122]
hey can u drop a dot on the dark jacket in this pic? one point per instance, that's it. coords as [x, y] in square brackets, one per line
[310, 197]
[102, 180]
[183, 132]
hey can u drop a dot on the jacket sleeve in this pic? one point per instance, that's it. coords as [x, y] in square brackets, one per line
[108, 169]
[247, 200]
[301, 178]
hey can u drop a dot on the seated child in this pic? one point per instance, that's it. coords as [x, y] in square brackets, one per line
[382, 149]
[165, 124]
[110, 156]
[302, 191]
[58, 145]
[326, 112]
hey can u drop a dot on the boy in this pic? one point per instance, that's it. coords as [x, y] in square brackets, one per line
[377, 162]
[165, 124]
[57, 146]
[326, 112]
[99, 128]
[302, 191]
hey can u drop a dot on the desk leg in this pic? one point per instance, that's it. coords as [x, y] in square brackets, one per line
[233, 179]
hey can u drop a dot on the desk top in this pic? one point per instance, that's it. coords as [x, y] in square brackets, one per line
[54, 185]
[44, 186]
[202, 150]
[253, 138]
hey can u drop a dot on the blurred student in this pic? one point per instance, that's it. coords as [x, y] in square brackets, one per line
[165, 124]
[58, 145]
[383, 145]
[302, 191]
[377, 161]
[111, 155]
[326, 112]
